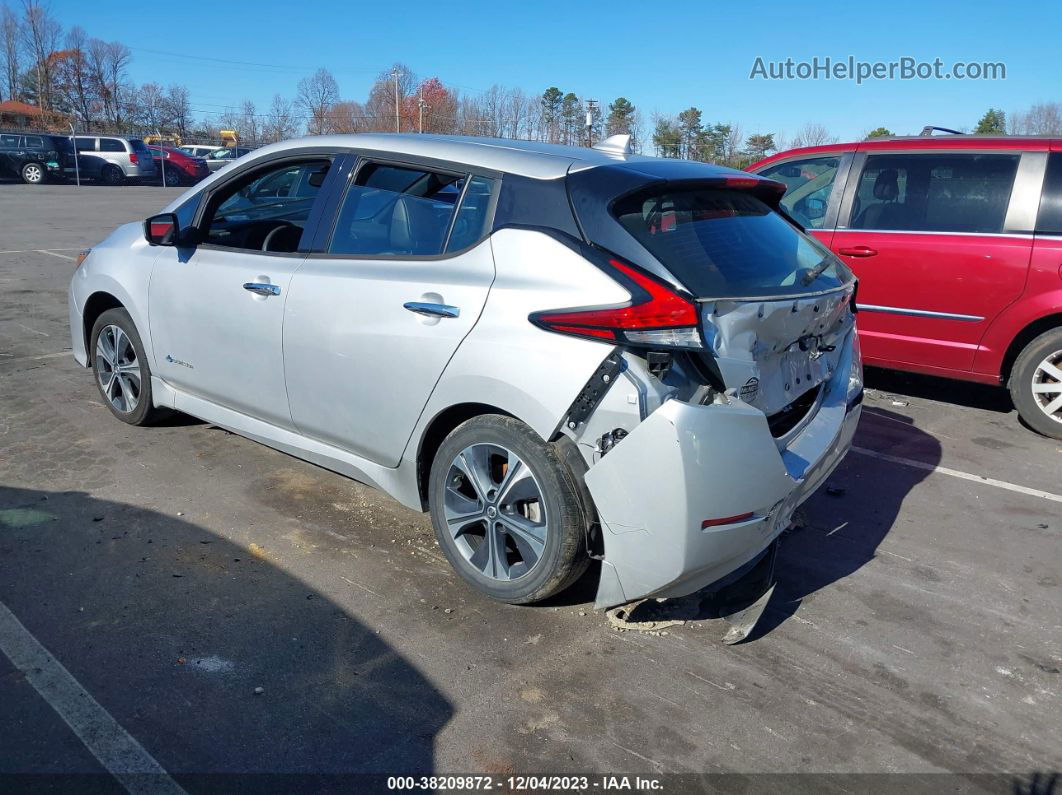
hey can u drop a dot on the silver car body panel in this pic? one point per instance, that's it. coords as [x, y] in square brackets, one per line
[334, 369]
[686, 464]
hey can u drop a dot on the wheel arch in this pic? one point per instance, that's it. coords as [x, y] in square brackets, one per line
[438, 428]
[1023, 338]
[96, 304]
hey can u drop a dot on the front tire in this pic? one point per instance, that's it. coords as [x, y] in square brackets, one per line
[1036, 384]
[120, 366]
[34, 174]
[506, 511]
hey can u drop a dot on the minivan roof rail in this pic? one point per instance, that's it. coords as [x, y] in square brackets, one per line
[928, 130]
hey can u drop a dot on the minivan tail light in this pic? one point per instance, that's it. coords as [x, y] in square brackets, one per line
[133, 158]
[656, 315]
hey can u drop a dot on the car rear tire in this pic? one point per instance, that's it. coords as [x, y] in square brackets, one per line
[506, 510]
[112, 175]
[172, 178]
[121, 369]
[34, 174]
[1036, 384]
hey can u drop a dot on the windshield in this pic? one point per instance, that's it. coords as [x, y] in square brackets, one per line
[728, 244]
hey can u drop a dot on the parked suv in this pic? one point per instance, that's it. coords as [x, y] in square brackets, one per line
[114, 159]
[36, 157]
[560, 352]
[957, 244]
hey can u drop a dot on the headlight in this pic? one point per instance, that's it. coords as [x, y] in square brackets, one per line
[855, 376]
[81, 257]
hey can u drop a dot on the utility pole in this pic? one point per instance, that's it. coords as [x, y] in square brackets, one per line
[394, 74]
[590, 105]
[421, 104]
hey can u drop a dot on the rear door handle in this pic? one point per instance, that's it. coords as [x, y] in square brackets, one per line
[262, 289]
[858, 251]
[432, 310]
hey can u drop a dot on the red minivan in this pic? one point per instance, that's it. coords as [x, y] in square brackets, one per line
[957, 243]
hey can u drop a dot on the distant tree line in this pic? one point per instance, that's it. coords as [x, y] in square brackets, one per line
[87, 80]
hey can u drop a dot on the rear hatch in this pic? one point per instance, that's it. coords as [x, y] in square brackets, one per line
[774, 304]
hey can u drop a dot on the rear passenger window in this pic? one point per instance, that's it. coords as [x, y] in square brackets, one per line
[9, 141]
[1049, 222]
[86, 144]
[808, 185]
[34, 142]
[111, 145]
[934, 193]
[394, 210]
[472, 216]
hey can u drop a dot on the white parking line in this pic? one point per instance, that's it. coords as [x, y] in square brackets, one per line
[116, 749]
[52, 253]
[38, 250]
[955, 473]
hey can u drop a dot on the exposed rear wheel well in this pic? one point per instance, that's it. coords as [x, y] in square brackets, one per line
[438, 430]
[96, 305]
[1027, 335]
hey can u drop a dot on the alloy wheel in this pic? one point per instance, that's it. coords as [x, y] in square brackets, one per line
[494, 510]
[33, 173]
[117, 369]
[1047, 386]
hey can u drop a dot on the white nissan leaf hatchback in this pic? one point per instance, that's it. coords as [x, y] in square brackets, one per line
[561, 353]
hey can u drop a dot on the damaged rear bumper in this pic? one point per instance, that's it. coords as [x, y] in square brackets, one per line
[672, 494]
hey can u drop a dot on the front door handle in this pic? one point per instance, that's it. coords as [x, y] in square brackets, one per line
[262, 289]
[432, 310]
[857, 251]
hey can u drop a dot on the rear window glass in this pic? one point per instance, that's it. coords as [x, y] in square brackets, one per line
[138, 145]
[729, 243]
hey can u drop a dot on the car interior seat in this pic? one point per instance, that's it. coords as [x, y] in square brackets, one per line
[886, 213]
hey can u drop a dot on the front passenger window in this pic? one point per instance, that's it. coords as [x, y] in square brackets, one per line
[808, 186]
[268, 209]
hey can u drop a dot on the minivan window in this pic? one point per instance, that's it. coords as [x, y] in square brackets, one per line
[1049, 221]
[111, 145]
[393, 210]
[34, 142]
[934, 193]
[808, 184]
[9, 141]
[728, 243]
[86, 144]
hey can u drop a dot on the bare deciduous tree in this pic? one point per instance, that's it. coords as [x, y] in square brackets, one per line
[1044, 118]
[10, 49]
[811, 134]
[317, 94]
[280, 122]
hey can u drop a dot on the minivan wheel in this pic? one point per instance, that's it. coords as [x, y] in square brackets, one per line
[1036, 384]
[505, 510]
[33, 173]
[123, 376]
[112, 175]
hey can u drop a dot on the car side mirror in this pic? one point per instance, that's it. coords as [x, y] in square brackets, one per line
[162, 229]
[815, 208]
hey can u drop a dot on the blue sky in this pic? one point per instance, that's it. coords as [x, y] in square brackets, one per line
[663, 57]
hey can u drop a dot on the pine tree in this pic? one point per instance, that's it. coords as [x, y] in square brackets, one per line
[551, 113]
[994, 122]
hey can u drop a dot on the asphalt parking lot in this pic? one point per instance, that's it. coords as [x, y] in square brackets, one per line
[172, 570]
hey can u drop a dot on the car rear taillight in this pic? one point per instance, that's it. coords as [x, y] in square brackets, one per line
[133, 158]
[656, 315]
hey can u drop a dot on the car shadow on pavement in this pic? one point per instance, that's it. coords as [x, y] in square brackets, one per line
[173, 629]
[839, 530]
[943, 390]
